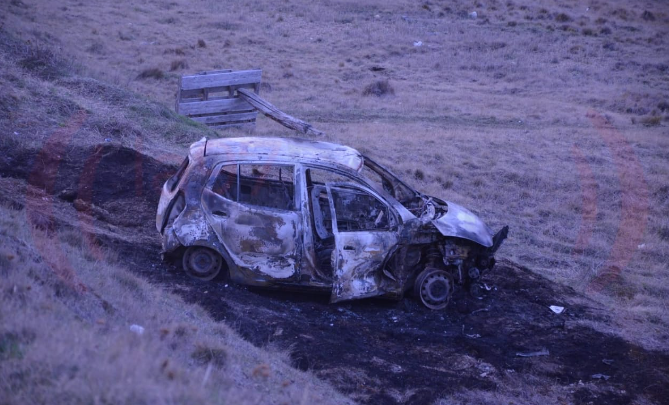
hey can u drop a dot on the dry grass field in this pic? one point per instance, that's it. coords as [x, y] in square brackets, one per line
[549, 116]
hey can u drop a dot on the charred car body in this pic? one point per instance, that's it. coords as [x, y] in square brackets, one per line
[293, 213]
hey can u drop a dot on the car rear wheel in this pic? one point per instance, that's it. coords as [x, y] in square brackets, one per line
[202, 263]
[433, 287]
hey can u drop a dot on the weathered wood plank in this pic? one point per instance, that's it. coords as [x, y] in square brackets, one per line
[227, 118]
[210, 72]
[277, 115]
[220, 79]
[213, 92]
[214, 106]
[245, 125]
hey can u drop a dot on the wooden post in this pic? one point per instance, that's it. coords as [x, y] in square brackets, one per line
[277, 115]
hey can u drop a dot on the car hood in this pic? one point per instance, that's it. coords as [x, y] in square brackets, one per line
[462, 223]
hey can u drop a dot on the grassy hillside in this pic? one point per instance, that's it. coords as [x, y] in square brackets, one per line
[76, 326]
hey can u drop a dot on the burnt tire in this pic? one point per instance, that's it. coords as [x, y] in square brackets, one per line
[433, 287]
[202, 263]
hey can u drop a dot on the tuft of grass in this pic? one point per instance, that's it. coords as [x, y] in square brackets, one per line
[151, 73]
[588, 32]
[224, 25]
[562, 17]
[663, 232]
[178, 64]
[175, 51]
[13, 345]
[45, 64]
[651, 121]
[648, 16]
[621, 13]
[125, 36]
[204, 354]
[169, 20]
[378, 88]
[97, 47]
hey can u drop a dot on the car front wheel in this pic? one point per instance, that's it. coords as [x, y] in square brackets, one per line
[202, 263]
[433, 287]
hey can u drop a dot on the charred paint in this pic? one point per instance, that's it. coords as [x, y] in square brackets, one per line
[359, 264]
[462, 223]
[372, 240]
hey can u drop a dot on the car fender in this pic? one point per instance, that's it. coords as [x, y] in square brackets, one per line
[459, 222]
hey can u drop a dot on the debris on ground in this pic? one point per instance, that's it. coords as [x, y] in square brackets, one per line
[542, 352]
[137, 329]
[557, 309]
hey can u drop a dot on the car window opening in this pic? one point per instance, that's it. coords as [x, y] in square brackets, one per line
[357, 210]
[385, 180]
[263, 185]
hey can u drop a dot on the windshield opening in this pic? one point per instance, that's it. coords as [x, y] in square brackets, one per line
[385, 180]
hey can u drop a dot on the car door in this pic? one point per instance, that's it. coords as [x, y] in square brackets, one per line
[252, 209]
[365, 232]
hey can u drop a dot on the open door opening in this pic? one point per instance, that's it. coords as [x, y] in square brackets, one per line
[364, 230]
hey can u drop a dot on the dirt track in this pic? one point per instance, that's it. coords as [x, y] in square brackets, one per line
[376, 351]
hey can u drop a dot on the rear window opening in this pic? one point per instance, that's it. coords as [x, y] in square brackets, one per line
[263, 185]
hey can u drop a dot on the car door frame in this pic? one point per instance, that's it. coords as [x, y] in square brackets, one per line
[237, 227]
[360, 256]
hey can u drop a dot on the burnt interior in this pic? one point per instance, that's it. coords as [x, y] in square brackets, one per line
[355, 210]
[264, 185]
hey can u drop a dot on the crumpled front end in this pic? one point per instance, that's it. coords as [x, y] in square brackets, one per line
[459, 222]
[467, 261]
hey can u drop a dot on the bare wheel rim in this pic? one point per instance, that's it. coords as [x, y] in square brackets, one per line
[202, 263]
[434, 288]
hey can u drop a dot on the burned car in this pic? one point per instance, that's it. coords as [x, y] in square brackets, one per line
[301, 214]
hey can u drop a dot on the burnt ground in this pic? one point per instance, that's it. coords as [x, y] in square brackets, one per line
[376, 351]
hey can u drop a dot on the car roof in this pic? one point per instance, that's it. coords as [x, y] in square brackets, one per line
[288, 149]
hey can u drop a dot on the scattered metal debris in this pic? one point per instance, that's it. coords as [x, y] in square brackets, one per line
[542, 352]
[600, 376]
[300, 214]
[556, 309]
